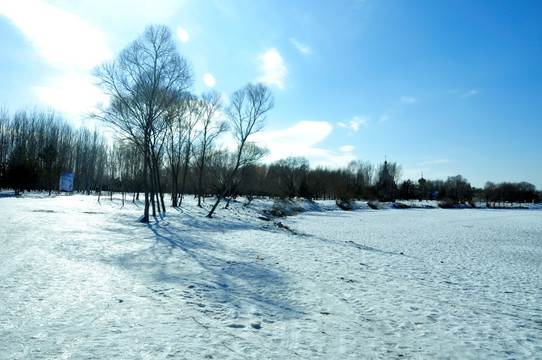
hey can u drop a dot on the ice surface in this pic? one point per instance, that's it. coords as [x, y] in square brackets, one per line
[82, 279]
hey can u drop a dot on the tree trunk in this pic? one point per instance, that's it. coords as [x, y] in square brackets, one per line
[199, 187]
[145, 218]
[201, 167]
[159, 191]
[226, 188]
[185, 171]
[228, 203]
[174, 188]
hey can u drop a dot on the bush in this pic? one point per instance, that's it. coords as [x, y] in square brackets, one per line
[401, 206]
[448, 204]
[282, 208]
[344, 205]
[373, 205]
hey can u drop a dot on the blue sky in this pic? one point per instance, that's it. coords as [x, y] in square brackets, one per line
[440, 87]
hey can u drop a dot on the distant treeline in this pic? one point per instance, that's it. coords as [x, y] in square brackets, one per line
[36, 146]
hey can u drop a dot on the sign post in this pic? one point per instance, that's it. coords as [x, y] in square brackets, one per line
[66, 182]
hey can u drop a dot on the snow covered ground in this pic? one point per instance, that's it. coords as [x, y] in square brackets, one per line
[84, 280]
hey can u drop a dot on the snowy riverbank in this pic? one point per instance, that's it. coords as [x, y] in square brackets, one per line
[82, 279]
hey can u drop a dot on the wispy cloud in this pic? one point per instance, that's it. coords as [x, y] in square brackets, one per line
[302, 139]
[408, 100]
[71, 93]
[61, 38]
[65, 42]
[298, 140]
[273, 68]
[358, 4]
[355, 123]
[384, 118]
[469, 93]
[302, 48]
[437, 162]
[346, 148]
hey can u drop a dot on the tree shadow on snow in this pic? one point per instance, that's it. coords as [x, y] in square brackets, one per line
[187, 261]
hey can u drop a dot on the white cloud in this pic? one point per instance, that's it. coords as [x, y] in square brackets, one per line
[182, 34]
[408, 100]
[355, 123]
[273, 68]
[302, 48]
[302, 140]
[346, 148]
[67, 43]
[73, 94]
[61, 38]
[126, 17]
[209, 80]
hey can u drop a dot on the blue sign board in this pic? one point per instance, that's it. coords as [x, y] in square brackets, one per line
[66, 182]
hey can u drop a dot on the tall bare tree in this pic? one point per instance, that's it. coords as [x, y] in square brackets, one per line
[142, 83]
[183, 120]
[211, 128]
[290, 174]
[246, 115]
[362, 172]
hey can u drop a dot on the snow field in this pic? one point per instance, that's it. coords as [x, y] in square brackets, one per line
[82, 279]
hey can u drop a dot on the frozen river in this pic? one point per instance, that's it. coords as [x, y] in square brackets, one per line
[82, 279]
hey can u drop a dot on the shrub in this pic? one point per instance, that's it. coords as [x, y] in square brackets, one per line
[448, 204]
[344, 205]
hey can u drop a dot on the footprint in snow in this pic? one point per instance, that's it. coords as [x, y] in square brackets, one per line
[236, 326]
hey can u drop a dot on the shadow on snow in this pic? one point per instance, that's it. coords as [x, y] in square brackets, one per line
[187, 260]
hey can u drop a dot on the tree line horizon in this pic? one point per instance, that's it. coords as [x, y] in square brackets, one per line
[36, 146]
[165, 141]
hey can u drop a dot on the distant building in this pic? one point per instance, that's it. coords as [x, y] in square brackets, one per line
[422, 182]
[386, 186]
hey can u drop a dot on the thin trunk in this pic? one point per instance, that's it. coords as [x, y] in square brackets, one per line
[185, 171]
[145, 218]
[227, 187]
[174, 187]
[153, 204]
[161, 192]
[201, 167]
[228, 203]
[199, 186]
[152, 183]
[153, 191]
[210, 214]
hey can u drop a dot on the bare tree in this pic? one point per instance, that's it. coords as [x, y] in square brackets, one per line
[142, 83]
[363, 173]
[251, 155]
[246, 114]
[177, 136]
[291, 172]
[456, 188]
[211, 128]
[4, 143]
[183, 120]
